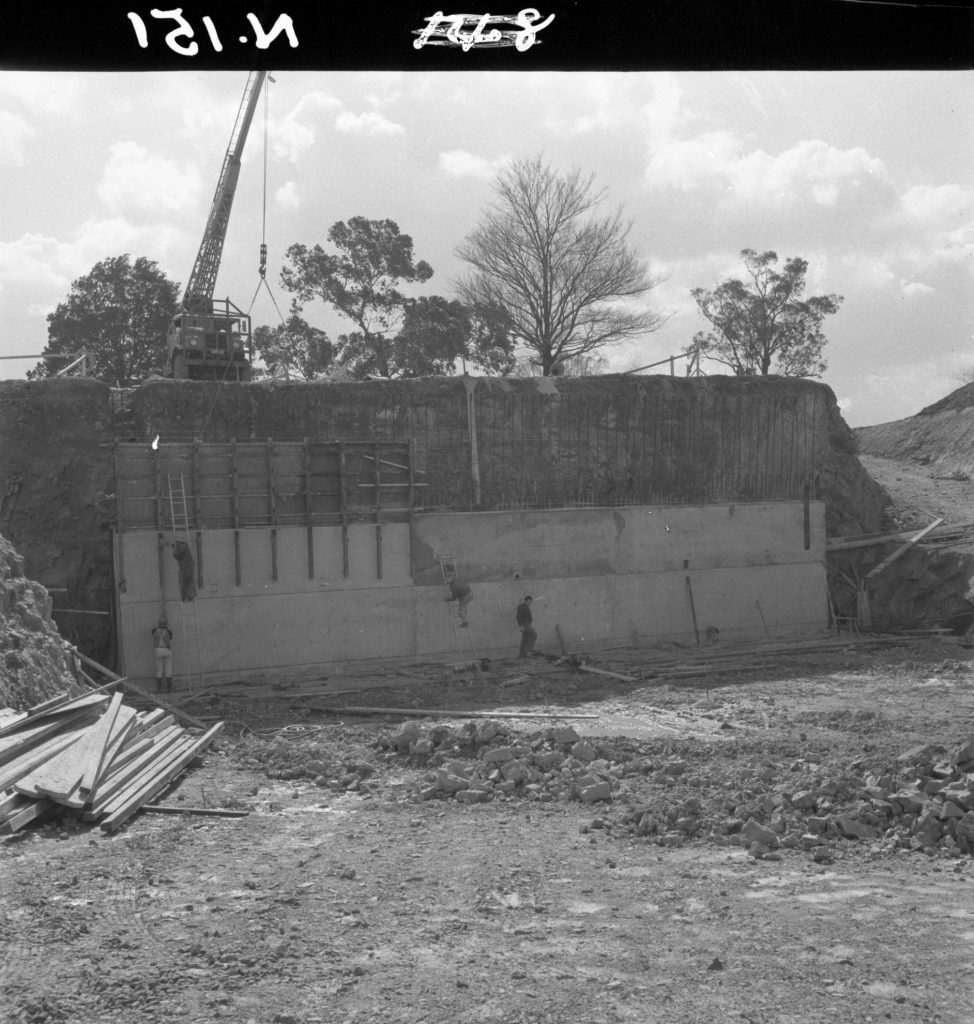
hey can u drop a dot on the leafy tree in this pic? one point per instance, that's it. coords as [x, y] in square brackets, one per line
[765, 321]
[295, 347]
[397, 336]
[361, 281]
[118, 313]
[564, 276]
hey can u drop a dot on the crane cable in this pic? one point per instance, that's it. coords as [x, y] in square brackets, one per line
[262, 270]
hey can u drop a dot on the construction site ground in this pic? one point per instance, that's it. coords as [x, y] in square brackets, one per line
[346, 895]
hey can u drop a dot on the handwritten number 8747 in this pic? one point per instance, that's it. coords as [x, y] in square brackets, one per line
[262, 39]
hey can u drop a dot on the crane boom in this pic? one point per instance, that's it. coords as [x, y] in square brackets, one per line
[207, 339]
[202, 280]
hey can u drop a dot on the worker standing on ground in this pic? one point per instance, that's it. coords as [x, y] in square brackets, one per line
[524, 622]
[461, 593]
[162, 642]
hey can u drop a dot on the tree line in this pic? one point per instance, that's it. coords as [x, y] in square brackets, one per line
[550, 281]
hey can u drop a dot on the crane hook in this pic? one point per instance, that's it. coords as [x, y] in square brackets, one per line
[263, 260]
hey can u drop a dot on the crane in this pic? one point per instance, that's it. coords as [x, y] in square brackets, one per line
[210, 339]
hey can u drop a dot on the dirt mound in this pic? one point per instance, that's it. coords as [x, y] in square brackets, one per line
[35, 662]
[939, 436]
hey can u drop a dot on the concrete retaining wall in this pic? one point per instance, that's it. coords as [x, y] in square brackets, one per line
[601, 575]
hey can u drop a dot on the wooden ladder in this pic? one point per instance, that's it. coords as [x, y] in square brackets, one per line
[191, 644]
[466, 648]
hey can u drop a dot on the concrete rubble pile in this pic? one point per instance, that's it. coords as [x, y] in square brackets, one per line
[89, 758]
[922, 802]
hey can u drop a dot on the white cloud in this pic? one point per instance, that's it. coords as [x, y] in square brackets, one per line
[14, 133]
[811, 171]
[370, 123]
[287, 197]
[458, 163]
[941, 206]
[44, 92]
[914, 289]
[291, 137]
[137, 181]
[47, 265]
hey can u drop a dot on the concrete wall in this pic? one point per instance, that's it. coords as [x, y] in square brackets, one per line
[602, 575]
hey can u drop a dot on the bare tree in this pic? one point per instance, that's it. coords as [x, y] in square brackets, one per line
[564, 277]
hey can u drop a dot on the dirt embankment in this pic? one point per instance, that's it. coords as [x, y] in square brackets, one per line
[923, 463]
[941, 436]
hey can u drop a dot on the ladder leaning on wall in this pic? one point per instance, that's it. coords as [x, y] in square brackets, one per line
[462, 634]
[190, 643]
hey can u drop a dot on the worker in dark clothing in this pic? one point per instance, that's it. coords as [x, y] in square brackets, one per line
[187, 570]
[524, 620]
[162, 645]
[461, 593]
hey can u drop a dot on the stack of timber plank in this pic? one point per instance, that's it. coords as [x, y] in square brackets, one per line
[92, 755]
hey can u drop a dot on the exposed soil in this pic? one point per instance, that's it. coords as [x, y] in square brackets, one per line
[345, 896]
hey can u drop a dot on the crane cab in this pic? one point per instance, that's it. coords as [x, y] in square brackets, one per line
[210, 345]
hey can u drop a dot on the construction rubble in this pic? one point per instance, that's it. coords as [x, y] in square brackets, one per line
[91, 758]
[923, 801]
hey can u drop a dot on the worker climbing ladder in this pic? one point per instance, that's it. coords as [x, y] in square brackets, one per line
[190, 644]
[466, 648]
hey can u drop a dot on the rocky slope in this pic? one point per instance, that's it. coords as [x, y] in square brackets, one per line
[35, 661]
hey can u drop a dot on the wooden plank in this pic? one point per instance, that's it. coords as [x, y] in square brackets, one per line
[16, 769]
[12, 802]
[210, 812]
[35, 810]
[440, 712]
[102, 747]
[116, 782]
[605, 672]
[899, 552]
[71, 721]
[61, 772]
[693, 610]
[115, 770]
[94, 749]
[144, 795]
[57, 706]
[153, 698]
[873, 539]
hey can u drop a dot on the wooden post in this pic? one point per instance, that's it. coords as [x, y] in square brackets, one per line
[119, 523]
[157, 471]
[378, 512]
[343, 505]
[307, 511]
[410, 462]
[234, 484]
[272, 508]
[469, 387]
[196, 515]
[806, 508]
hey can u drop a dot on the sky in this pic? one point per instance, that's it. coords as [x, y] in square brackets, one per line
[868, 175]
